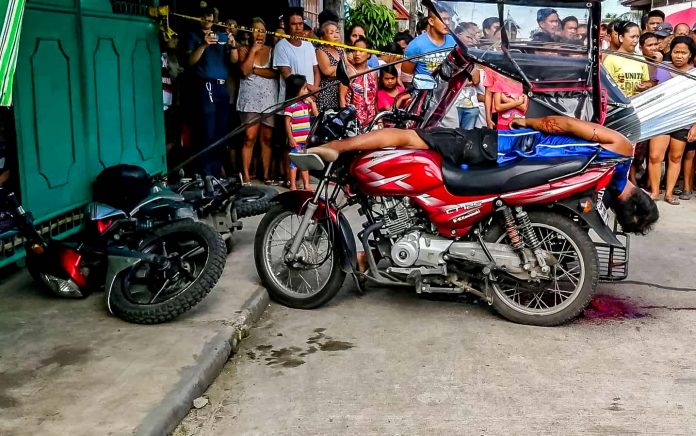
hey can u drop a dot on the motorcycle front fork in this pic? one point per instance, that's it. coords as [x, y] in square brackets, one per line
[308, 216]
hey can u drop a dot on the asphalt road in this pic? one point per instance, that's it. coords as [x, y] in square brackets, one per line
[391, 362]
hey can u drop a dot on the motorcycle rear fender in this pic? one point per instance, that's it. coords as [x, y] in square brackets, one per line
[592, 219]
[297, 201]
[119, 261]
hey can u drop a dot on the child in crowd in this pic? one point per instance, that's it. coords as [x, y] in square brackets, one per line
[362, 92]
[297, 123]
[509, 101]
[389, 88]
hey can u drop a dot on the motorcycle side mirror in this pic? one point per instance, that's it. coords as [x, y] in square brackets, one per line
[342, 73]
[424, 82]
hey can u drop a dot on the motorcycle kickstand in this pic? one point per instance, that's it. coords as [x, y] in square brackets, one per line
[359, 285]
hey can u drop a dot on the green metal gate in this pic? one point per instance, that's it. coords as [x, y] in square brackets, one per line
[87, 95]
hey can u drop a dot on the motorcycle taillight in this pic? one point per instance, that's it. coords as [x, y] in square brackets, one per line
[70, 261]
[103, 225]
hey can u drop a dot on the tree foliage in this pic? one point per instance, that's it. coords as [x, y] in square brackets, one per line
[378, 21]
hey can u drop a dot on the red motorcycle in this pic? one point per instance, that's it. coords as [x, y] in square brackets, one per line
[515, 235]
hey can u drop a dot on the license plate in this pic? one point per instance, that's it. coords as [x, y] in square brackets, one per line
[603, 212]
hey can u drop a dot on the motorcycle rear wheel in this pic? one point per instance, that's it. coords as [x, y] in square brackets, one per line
[578, 265]
[253, 200]
[201, 251]
[303, 285]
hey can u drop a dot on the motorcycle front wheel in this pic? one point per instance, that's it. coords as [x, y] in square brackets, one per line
[304, 284]
[573, 281]
[148, 294]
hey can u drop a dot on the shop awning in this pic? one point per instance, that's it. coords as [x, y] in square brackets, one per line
[399, 10]
[12, 11]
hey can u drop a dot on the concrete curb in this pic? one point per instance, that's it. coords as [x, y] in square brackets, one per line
[196, 379]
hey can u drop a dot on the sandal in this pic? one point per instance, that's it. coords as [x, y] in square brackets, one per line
[686, 195]
[673, 201]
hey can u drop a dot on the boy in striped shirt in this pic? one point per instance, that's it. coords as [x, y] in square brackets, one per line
[297, 123]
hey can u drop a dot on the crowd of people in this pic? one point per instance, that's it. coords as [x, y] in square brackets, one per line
[233, 77]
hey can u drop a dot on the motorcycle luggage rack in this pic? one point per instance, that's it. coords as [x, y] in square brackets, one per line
[613, 261]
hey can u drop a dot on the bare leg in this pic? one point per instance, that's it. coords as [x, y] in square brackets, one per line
[376, 140]
[266, 151]
[689, 171]
[293, 178]
[676, 151]
[252, 133]
[305, 179]
[658, 146]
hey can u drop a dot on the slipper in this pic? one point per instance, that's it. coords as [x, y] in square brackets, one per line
[655, 197]
[686, 195]
[673, 201]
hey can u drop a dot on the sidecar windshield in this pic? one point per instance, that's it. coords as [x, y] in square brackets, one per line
[543, 39]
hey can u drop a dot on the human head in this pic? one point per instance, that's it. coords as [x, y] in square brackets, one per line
[360, 57]
[655, 18]
[207, 18]
[422, 25]
[354, 32]
[682, 50]
[603, 30]
[388, 77]
[329, 31]
[491, 29]
[467, 34]
[327, 15]
[437, 25]
[402, 39]
[663, 30]
[231, 26]
[294, 20]
[511, 28]
[548, 21]
[582, 31]
[681, 29]
[629, 34]
[648, 44]
[295, 85]
[308, 28]
[260, 25]
[613, 32]
[637, 212]
[569, 27]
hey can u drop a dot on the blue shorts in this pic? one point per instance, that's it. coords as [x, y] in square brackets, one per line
[301, 148]
[515, 144]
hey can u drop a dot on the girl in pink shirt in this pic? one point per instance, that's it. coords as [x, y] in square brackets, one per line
[388, 88]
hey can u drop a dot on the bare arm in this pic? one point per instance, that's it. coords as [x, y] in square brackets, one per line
[488, 105]
[342, 95]
[246, 55]
[325, 64]
[234, 49]
[501, 106]
[288, 131]
[560, 125]
[315, 109]
[407, 69]
[317, 79]
[284, 72]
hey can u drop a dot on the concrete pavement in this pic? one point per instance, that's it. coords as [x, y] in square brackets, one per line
[67, 367]
[393, 363]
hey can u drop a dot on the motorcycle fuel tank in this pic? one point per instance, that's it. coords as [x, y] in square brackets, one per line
[398, 172]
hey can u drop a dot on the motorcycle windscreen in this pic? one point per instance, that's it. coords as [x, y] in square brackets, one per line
[552, 62]
[657, 111]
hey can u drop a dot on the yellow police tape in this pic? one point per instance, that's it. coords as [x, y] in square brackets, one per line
[163, 12]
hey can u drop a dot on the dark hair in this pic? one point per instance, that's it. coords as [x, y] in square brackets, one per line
[362, 39]
[390, 69]
[644, 21]
[293, 85]
[689, 43]
[625, 26]
[393, 47]
[293, 11]
[656, 13]
[544, 13]
[403, 36]
[637, 214]
[350, 30]
[421, 25]
[544, 37]
[612, 26]
[490, 21]
[603, 26]
[208, 10]
[645, 37]
[567, 20]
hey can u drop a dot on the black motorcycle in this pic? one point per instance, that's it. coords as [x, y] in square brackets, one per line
[142, 244]
[222, 203]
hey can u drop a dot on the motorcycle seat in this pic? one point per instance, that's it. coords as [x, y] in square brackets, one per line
[525, 173]
[122, 186]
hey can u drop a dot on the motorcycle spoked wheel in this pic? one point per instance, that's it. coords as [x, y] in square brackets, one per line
[557, 301]
[302, 285]
[146, 294]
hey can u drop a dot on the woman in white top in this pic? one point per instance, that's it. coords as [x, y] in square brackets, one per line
[258, 89]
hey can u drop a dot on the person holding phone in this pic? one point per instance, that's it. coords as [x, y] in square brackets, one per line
[210, 53]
